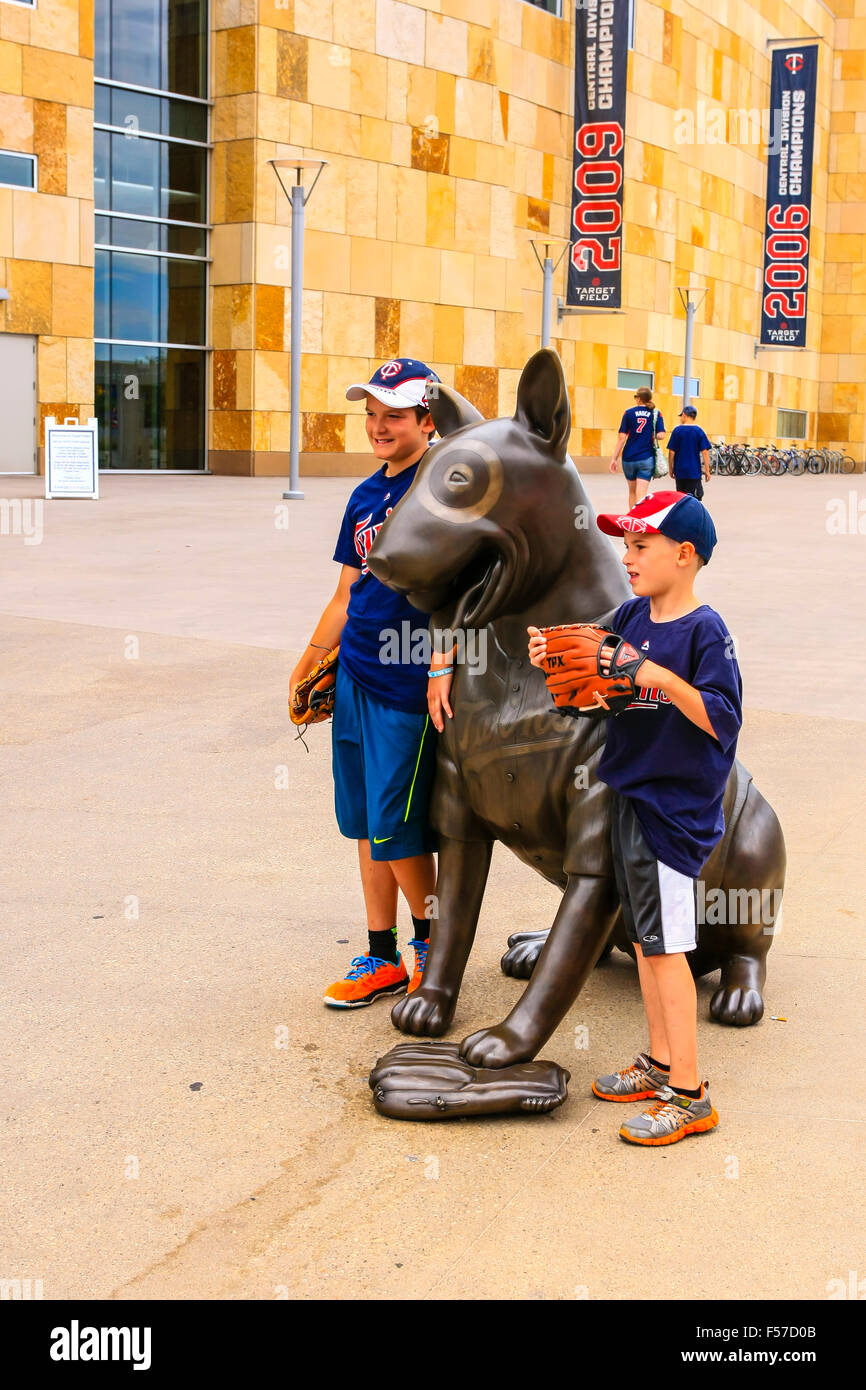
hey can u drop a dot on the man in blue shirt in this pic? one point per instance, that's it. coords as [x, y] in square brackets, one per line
[688, 448]
[383, 741]
[639, 428]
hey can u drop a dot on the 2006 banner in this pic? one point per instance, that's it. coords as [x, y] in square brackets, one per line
[789, 196]
[600, 60]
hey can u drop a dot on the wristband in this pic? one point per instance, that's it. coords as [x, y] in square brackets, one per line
[443, 671]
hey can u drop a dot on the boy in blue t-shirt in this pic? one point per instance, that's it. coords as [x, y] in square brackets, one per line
[636, 443]
[383, 740]
[688, 449]
[667, 758]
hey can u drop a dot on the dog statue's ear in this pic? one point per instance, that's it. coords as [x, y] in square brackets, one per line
[542, 400]
[449, 409]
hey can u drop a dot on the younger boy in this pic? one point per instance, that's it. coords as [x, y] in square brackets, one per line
[382, 738]
[667, 758]
[688, 448]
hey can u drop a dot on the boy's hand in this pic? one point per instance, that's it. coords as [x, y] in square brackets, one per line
[438, 696]
[537, 646]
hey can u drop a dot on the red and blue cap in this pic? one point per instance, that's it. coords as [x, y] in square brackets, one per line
[677, 515]
[401, 382]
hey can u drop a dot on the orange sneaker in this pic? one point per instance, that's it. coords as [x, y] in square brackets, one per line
[420, 962]
[367, 979]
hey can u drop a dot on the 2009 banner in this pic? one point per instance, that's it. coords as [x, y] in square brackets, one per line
[789, 196]
[601, 57]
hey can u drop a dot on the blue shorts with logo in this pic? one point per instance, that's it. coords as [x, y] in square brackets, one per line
[383, 763]
[638, 468]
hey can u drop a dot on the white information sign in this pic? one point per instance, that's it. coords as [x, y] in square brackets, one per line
[71, 458]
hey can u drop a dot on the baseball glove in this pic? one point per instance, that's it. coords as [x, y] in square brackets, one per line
[313, 699]
[431, 1081]
[589, 670]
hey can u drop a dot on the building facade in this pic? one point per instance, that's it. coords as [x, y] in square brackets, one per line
[144, 239]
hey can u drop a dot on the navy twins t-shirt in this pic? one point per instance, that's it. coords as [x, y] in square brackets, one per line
[673, 772]
[637, 423]
[374, 609]
[687, 442]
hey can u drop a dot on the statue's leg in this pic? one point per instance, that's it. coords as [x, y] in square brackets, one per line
[752, 888]
[524, 948]
[462, 878]
[577, 937]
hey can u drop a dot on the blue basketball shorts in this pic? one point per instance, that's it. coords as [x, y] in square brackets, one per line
[638, 468]
[383, 762]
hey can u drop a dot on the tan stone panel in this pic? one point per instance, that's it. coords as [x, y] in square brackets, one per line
[401, 144]
[235, 61]
[348, 324]
[314, 381]
[429, 152]
[416, 272]
[326, 209]
[244, 380]
[387, 328]
[398, 88]
[16, 123]
[275, 121]
[462, 158]
[336, 130]
[271, 14]
[45, 227]
[480, 385]
[271, 381]
[376, 139]
[49, 144]
[6, 237]
[232, 429]
[79, 368]
[473, 111]
[502, 221]
[368, 84]
[326, 261]
[481, 61]
[386, 204]
[329, 75]
[51, 368]
[72, 303]
[356, 433]
[416, 330]
[342, 373]
[411, 199]
[447, 333]
[479, 336]
[400, 32]
[261, 431]
[224, 380]
[79, 152]
[362, 197]
[239, 180]
[490, 272]
[355, 23]
[441, 205]
[421, 99]
[225, 245]
[292, 66]
[269, 318]
[85, 232]
[370, 266]
[10, 68]
[55, 27]
[472, 221]
[458, 278]
[314, 19]
[322, 433]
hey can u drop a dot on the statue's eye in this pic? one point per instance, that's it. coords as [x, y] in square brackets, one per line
[459, 476]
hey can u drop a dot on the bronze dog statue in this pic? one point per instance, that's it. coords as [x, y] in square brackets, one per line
[497, 532]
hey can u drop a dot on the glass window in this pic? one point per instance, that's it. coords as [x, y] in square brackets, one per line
[151, 236]
[136, 111]
[694, 386]
[552, 6]
[791, 424]
[149, 299]
[149, 177]
[153, 43]
[150, 403]
[17, 170]
[627, 380]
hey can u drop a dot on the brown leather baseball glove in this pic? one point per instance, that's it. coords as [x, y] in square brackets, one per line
[589, 670]
[313, 700]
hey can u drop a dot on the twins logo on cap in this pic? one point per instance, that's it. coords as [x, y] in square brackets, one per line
[677, 515]
[400, 382]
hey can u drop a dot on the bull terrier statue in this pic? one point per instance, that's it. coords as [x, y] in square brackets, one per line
[497, 532]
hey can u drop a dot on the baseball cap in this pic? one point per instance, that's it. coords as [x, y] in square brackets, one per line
[677, 515]
[401, 382]
[689, 410]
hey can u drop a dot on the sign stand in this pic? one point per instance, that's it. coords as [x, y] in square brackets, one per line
[71, 458]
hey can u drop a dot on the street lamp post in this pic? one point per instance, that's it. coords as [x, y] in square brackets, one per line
[298, 196]
[685, 293]
[548, 266]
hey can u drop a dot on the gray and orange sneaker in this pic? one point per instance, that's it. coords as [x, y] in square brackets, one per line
[672, 1118]
[368, 978]
[637, 1082]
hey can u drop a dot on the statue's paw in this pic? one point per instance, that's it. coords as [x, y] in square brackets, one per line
[495, 1047]
[737, 1005]
[524, 948]
[427, 1012]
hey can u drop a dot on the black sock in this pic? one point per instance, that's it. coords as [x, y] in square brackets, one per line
[660, 1066]
[681, 1091]
[421, 927]
[384, 944]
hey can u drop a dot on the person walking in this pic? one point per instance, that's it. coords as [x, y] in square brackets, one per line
[636, 443]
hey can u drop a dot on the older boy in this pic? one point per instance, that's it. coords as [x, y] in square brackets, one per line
[667, 757]
[688, 450]
[382, 738]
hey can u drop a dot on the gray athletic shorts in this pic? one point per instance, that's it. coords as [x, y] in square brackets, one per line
[659, 904]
